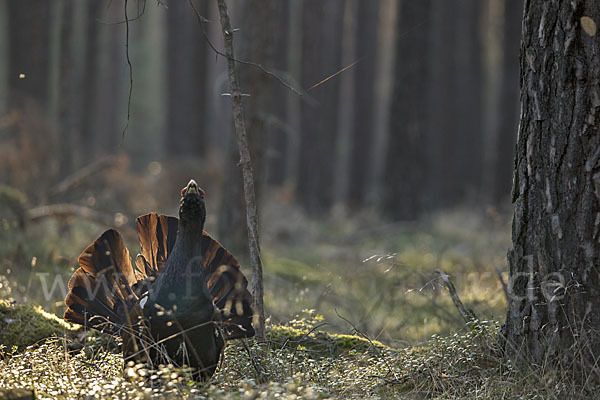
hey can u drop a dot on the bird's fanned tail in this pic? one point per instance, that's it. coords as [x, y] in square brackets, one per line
[102, 292]
[105, 290]
[225, 281]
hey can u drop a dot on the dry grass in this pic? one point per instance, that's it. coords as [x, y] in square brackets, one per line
[298, 361]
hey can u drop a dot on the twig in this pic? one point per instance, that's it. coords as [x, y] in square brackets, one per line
[504, 287]
[262, 376]
[359, 333]
[139, 16]
[202, 21]
[468, 315]
[314, 328]
[130, 72]
[247, 173]
[332, 76]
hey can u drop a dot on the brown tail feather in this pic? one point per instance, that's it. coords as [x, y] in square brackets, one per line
[101, 294]
[226, 282]
[157, 235]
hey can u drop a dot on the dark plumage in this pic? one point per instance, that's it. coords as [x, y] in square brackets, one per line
[185, 296]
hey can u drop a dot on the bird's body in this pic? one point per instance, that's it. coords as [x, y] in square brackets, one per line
[184, 298]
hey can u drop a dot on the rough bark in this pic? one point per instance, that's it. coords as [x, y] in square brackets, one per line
[553, 276]
[247, 173]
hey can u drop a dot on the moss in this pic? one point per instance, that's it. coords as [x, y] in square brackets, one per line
[320, 343]
[24, 325]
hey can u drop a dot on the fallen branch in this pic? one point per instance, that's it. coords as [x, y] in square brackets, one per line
[84, 173]
[72, 210]
[247, 174]
[468, 315]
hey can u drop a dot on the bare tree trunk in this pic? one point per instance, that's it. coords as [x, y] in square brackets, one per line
[468, 97]
[29, 49]
[186, 82]
[293, 105]
[78, 46]
[108, 109]
[4, 55]
[256, 42]
[440, 144]
[384, 78]
[321, 57]
[345, 112]
[365, 73]
[278, 130]
[405, 167]
[553, 276]
[251, 213]
[86, 138]
[508, 123]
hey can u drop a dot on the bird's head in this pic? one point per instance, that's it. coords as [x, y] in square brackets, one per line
[192, 212]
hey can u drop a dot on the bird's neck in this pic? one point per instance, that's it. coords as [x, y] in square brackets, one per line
[186, 256]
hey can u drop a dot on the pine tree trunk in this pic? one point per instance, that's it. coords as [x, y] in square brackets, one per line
[509, 93]
[553, 266]
[186, 81]
[365, 75]
[405, 169]
[322, 23]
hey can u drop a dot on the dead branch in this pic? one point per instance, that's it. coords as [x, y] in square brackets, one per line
[72, 210]
[468, 315]
[84, 173]
[247, 174]
[504, 287]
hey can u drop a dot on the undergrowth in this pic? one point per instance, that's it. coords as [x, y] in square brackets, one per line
[297, 361]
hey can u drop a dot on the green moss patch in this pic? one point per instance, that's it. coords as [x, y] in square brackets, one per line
[24, 325]
[322, 344]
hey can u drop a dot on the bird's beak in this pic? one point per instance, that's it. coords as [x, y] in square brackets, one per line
[192, 187]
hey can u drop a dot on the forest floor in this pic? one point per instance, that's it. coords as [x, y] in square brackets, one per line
[356, 310]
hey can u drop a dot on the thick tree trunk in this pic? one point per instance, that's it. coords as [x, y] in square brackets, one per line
[553, 265]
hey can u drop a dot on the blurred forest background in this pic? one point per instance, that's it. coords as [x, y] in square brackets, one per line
[367, 183]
